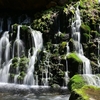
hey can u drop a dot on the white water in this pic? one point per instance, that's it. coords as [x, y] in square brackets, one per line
[18, 46]
[4, 57]
[38, 43]
[4, 48]
[99, 1]
[78, 46]
[66, 72]
[4, 72]
[92, 79]
[87, 71]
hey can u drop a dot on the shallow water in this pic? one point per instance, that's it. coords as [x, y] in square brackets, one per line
[7, 96]
[25, 92]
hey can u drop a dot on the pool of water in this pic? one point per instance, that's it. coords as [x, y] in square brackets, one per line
[9, 96]
[25, 92]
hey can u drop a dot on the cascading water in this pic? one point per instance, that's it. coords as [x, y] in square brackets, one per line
[78, 46]
[66, 72]
[38, 43]
[4, 57]
[13, 49]
[18, 44]
[87, 72]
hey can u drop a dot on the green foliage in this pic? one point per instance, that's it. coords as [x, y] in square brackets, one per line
[76, 82]
[14, 65]
[16, 59]
[63, 45]
[62, 48]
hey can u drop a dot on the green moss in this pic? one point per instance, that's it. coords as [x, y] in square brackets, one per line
[24, 27]
[87, 92]
[85, 28]
[76, 82]
[15, 26]
[74, 57]
[63, 45]
[86, 36]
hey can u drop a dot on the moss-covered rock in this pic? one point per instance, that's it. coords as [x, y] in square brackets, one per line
[74, 62]
[86, 93]
[76, 82]
[73, 56]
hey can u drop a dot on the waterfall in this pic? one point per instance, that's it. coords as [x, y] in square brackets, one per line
[78, 46]
[98, 52]
[38, 43]
[18, 44]
[4, 57]
[87, 72]
[66, 72]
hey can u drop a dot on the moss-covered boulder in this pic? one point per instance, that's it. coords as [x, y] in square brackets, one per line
[76, 82]
[74, 62]
[86, 93]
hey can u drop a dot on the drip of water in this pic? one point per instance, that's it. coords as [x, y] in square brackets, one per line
[38, 43]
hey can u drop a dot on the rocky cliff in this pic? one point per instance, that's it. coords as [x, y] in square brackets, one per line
[29, 4]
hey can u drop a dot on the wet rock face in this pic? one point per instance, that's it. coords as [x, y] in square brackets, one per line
[29, 4]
